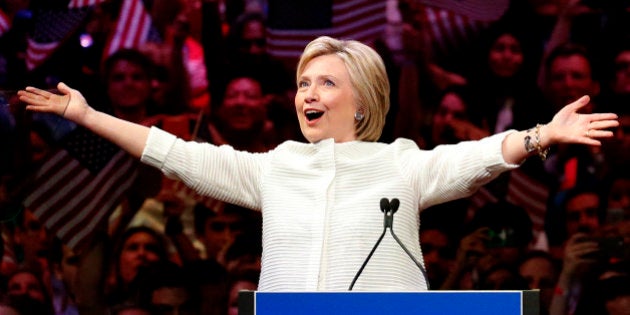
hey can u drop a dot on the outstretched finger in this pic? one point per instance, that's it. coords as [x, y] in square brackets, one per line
[602, 116]
[595, 133]
[603, 124]
[39, 92]
[579, 103]
[33, 100]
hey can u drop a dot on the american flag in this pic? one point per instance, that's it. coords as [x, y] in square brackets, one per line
[134, 27]
[5, 23]
[77, 188]
[52, 26]
[84, 3]
[449, 30]
[480, 10]
[292, 24]
[522, 190]
[451, 24]
[530, 194]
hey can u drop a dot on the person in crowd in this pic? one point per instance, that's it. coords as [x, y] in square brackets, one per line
[579, 210]
[27, 286]
[242, 46]
[439, 235]
[65, 264]
[247, 49]
[137, 248]
[576, 244]
[454, 119]
[616, 82]
[501, 277]
[499, 234]
[314, 195]
[33, 244]
[609, 294]
[570, 73]
[216, 231]
[502, 80]
[241, 120]
[168, 289]
[246, 250]
[181, 85]
[240, 280]
[541, 271]
[128, 77]
[593, 24]
[600, 289]
[246, 53]
[617, 201]
[243, 50]
[617, 150]
[509, 233]
[8, 306]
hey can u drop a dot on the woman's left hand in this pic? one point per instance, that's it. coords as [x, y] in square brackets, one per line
[569, 126]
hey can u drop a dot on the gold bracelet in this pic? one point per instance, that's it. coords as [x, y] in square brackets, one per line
[536, 146]
[542, 153]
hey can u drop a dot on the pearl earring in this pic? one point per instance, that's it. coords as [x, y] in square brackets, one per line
[358, 116]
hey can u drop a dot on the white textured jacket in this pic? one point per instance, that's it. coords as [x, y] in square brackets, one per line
[321, 202]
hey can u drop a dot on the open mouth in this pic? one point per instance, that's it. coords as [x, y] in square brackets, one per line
[313, 114]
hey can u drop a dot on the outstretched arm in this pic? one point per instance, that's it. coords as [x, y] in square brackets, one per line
[72, 106]
[567, 126]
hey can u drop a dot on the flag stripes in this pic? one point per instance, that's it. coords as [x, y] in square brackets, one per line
[529, 194]
[448, 30]
[360, 20]
[133, 27]
[52, 27]
[84, 3]
[72, 200]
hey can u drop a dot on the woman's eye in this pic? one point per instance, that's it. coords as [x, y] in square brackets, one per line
[302, 84]
[329, 83]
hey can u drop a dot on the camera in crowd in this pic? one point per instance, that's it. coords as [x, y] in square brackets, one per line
[503, 237]
[610, 248]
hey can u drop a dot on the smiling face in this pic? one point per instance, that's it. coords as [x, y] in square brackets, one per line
[506, 56]
[243, 107]
[325, 101]
[570, 77]
[128, 85]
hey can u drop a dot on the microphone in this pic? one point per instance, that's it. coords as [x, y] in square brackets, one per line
[389, 208]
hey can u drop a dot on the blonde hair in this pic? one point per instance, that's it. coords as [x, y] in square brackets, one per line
[367, 75]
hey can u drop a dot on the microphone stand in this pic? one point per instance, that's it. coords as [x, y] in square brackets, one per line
[389, 208]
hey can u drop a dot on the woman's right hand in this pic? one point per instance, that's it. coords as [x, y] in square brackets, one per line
[70, 104]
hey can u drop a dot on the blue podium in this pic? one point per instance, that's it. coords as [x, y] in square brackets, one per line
[399, 303]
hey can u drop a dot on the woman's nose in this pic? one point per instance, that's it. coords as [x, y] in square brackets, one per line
[311, 94]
